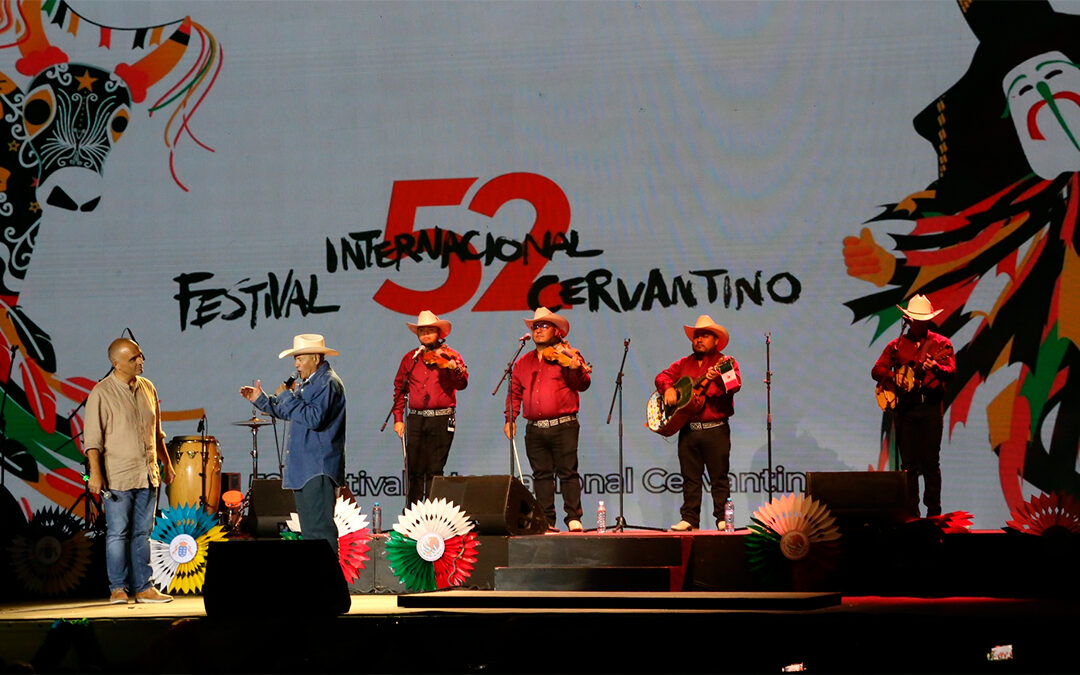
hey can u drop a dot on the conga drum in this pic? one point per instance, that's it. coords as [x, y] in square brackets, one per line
[197, 463]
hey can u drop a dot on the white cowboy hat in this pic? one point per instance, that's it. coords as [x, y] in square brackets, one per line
[543, 314]
[705, 322]
[919, 309]
[426, 318]
[309, 343]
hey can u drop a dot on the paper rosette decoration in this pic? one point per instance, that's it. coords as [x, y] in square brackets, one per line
[353, 536]
[1051, 514]
[178, 548]
[793, 539]
[954, 522]
[51, 556]
[432, 546]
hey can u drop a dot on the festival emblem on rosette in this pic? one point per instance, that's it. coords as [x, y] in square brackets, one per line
[353, 536]
[432, 546]
[1047, 514]
[793, 539]
[52, 555]
[178, 548]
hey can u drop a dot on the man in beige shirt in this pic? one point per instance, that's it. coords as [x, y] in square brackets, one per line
[124, 441]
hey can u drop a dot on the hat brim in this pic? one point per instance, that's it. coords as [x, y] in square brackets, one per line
[326, 351]
[722, 337]
[559, 322]
[442, 324]
[915, 316]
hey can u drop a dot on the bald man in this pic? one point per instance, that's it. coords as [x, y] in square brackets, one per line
[124, 442]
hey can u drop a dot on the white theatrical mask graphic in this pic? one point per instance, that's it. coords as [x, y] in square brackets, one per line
[1043, 93]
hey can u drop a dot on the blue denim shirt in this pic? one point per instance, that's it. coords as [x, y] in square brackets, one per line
[316, 441]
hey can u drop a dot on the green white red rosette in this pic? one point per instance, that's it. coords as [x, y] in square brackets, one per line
[793, 540]
[353, 536]
[432, 546]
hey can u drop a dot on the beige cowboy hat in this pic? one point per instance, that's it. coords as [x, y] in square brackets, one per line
[544, 314]
[705, 322]
[426, 318]
[309, 343]
[919, 309]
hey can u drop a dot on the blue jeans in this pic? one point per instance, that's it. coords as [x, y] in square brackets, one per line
[315, 504]
[129, 518]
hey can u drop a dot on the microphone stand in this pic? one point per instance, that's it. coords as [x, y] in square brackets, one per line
[620, 521]
[507, 377]
[768, 412]
[403, 394]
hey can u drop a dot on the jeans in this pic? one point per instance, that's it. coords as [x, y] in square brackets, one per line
[129, 519]
[428, 441]
[701, 451]
[315, 503]
[553, 452]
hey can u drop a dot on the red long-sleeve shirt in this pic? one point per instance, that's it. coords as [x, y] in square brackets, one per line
[542, 390]
[906, 351]
[430, 387]
[719, 404]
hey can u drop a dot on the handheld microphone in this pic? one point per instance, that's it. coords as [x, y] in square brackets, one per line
[291, 380]
[525, 338]
[105, 494]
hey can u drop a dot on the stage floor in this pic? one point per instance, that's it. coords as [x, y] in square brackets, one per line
[535, 631]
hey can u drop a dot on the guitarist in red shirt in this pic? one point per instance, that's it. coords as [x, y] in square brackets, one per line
[916, 366]
[712, 378]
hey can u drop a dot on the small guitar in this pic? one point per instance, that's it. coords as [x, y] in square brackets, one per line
[904, 380]
[667, 420]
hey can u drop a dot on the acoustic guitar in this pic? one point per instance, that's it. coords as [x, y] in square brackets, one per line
[667, 420]
[904, 380]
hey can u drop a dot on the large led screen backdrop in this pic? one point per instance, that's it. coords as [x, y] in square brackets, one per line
[216, 177]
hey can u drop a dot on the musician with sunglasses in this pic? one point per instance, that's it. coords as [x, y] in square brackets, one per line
[915, 367]
[705, 439]
[545, 387]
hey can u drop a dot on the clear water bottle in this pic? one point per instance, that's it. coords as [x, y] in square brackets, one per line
[601, 518]
[376, 518]
[729, 515]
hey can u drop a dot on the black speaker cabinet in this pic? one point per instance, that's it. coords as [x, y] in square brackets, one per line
[498, 504]
[270, 507]
[861, 497]
[274, 577]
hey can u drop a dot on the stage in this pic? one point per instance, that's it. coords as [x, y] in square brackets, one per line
[684, 629]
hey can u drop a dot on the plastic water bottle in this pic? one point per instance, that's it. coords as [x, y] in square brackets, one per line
[729, 515]
[376, 518]
[601, 518]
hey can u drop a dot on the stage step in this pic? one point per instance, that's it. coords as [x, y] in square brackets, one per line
[568, 578]
[598, 550]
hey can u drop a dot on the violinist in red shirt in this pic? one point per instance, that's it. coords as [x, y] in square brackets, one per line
[430, 376]
[544, 387]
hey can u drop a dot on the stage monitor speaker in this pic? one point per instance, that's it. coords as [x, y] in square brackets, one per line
[498, 504]
[274, 577]
[858, 498]
[270, 507]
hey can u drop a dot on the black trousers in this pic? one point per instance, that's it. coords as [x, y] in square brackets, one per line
[427, 445]
[700, 451]
[919, 429]
[553, 452]
[315, 503]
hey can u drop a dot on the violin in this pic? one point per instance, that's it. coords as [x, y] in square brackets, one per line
[564, 357]
[442, 359]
